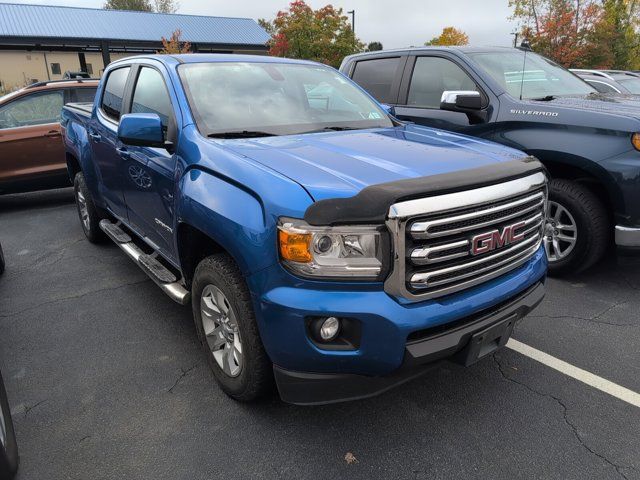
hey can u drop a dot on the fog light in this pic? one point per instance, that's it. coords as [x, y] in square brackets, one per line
[329, 329]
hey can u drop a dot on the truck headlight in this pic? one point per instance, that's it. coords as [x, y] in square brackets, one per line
[343, 251]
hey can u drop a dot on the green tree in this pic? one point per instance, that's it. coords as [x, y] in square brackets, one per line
[140, 5]
[323, 35]
[165, 6]
[582, 33]
[374, 47]
[450, 36]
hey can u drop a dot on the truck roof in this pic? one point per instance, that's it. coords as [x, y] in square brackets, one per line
[461, 49]
[215, 58]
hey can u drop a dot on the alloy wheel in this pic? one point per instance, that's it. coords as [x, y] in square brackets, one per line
[84, 210]
[220, 327]
[561, 232]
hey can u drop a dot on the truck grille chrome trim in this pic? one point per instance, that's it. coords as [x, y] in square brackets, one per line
[447, 243]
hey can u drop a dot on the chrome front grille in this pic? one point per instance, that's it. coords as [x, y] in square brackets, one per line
[447, 243]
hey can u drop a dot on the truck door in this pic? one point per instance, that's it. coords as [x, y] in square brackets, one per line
[426, 77]
[103, 137]
[149, 172]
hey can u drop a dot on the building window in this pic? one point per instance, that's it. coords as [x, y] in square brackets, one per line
[89, 69]
[55, 68]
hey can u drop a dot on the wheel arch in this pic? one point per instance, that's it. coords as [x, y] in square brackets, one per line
[194, 246]
[585, 172]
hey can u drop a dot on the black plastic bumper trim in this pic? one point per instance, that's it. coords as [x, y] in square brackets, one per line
[306, 388]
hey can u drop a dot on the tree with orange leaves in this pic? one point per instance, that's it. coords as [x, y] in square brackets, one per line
[323, 35]
[174, 45]
[582, 33]
[450, 36]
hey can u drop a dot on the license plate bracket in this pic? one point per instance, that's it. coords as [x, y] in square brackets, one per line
[487, 341]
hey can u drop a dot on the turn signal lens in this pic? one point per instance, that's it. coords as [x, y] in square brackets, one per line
[635, 139]
[295, 246]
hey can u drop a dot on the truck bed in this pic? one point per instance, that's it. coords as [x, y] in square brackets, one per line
[82, 108]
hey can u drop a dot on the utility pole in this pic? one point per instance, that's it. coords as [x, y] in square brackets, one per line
[353, 22]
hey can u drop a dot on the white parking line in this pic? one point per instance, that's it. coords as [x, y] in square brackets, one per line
[583, 376]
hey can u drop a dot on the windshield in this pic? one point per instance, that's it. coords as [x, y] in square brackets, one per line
[631, 84]
[275, 99]
[531, 77]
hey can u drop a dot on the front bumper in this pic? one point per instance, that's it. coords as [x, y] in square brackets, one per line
[463, 341]
[627, 237]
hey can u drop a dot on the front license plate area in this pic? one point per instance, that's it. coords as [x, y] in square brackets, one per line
[487, 341]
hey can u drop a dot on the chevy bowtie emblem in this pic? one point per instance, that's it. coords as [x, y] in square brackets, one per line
[489, 241]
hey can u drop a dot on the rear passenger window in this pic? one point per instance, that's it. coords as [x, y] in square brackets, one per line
[84, 95]
[431, 77]
[376, 77]
[114, 92]
[151, 96]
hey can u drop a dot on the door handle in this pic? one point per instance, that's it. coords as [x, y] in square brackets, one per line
[53, 134]
[124, 153]
[95, 137]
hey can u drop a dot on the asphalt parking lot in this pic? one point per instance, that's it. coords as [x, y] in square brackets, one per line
[106, 381]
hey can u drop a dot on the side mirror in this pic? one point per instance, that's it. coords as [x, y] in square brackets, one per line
[460, 100]
[389, 109]
[141, 130]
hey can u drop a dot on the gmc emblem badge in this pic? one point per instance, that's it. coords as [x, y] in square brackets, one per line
[489, 241]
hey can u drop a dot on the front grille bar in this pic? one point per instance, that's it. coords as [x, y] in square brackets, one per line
[421, 230]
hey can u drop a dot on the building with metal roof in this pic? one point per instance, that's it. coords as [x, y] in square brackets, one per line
[41, 42]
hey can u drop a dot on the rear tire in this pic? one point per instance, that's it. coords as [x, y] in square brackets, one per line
[577, 232]
[8, 445]
[227, 329]
[89, 215]
[1, 261]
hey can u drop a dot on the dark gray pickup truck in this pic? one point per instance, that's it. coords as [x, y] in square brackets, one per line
[588, 141]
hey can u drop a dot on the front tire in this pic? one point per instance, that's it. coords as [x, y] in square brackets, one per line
[577, 231]
[8, 445]
[87, 211]
[227, 329]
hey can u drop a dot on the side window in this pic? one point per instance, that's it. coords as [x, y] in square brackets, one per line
[34, 109]
[114, 92]
[602, 87]
[376, 77]
[151, 95]
[84, 95]
[432, 76]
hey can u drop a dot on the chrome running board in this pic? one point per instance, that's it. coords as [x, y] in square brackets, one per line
[150, 265]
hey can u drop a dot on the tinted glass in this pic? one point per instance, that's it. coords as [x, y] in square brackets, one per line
[84, 95]
[431, 77]
[151, 96]
[631, 84]
[114, 92]
[34, 109]
[602, 87]
[376, 77]
[276, 98]
[530, 76]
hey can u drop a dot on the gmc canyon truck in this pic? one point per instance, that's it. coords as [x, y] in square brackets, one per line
[588, 141]
[321, 243]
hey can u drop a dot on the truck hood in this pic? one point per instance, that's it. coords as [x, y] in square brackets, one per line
[340, 164]
[616, 104]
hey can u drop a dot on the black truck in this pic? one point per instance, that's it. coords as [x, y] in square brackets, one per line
[589, 141]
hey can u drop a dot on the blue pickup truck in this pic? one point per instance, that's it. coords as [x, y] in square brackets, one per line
[322, 244]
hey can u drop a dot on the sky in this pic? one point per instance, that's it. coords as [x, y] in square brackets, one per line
[395, 23]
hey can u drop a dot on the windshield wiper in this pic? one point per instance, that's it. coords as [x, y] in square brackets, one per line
[548, 98]
[241, 134]
[334, 129]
